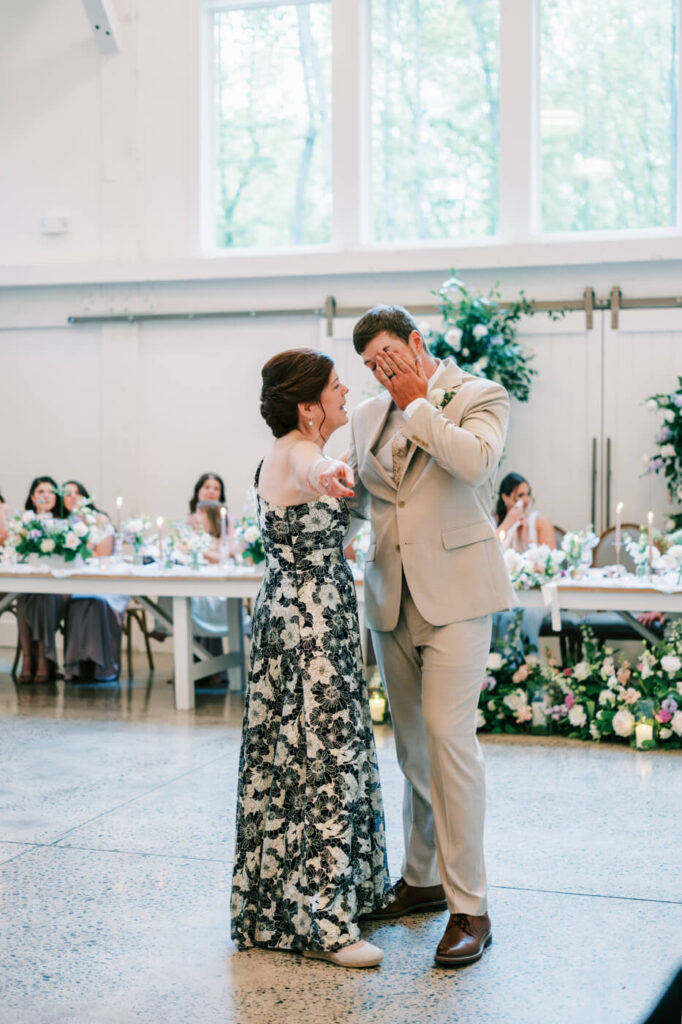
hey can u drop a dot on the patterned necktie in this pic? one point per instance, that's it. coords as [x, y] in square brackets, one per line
[399, 447]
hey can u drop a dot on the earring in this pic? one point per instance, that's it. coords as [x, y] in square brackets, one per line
[310, 423]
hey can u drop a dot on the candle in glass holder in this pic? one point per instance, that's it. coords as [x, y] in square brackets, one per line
[119, 506]
[223, 526]
[159, 526]
[377, 706]
[650, 524]
[644, 733]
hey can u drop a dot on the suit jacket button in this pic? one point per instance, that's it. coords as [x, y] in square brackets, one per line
[397, 547]
[401, 504]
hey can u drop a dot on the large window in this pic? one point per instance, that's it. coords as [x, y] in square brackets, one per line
[441, 126]
[272, 117]
[435, 118]
[609, 88]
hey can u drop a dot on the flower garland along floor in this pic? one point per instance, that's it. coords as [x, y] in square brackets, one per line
[602, 697]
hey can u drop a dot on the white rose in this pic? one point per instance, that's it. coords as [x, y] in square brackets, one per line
[577, 716]
[652, 404]
[479, 331]
[494, 661]
[557, 557]
[465, 353]
[624, 722]
[27, 516]
[134, 526]
[436, 397]
[669, 416]
[607, 697]
[46, 546]
[71, 541]
[668, 451]
[515, 700]
[671, 664]
[532, 659]
[676, 723]
[491, 705]
[483, 363]
[80, 528]
[665, 734]
[646, 670]
[251, 534]
[425, 329]
[453, 336]
[582, 671]
[480, 719]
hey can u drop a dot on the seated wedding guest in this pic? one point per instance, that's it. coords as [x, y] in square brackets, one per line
[204, 513]
[39, 615]
[93, 623]
[520, 528]
[517, 526]
[209, 614]
[4, 516]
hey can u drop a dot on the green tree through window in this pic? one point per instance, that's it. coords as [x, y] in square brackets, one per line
[435, 118]
[272, 71]
[609, 87]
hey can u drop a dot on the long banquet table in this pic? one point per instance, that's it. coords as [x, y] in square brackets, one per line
[594, 591]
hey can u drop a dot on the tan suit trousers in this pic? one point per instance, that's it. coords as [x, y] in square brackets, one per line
[433, 677]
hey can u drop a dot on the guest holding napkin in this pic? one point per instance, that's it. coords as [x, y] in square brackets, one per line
[93, 624]
[39, 615]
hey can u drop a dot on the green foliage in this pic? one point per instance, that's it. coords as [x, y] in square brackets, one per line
[669, 441]
[481, 334]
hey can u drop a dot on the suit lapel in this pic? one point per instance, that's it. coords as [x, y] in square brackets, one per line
[371, 463]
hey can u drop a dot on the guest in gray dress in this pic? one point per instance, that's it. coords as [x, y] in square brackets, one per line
[39, 615]
[93, 623]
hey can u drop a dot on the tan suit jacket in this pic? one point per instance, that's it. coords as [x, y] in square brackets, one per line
[437, 526]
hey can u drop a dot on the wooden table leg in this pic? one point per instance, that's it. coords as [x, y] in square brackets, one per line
[182, 654]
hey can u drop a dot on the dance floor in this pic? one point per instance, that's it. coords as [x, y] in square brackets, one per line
[116, 826]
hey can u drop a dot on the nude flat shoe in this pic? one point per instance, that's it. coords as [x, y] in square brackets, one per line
[362, 954]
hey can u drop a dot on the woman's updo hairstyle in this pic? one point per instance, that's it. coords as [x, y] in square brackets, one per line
[297, 375]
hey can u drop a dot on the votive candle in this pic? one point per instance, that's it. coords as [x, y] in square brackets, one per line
[644, 733]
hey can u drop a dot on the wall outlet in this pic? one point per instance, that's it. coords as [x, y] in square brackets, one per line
[55, 225]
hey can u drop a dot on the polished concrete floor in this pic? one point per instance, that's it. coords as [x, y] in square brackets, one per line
[116, 825]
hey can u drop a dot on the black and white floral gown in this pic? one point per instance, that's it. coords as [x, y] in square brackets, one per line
[310, 851]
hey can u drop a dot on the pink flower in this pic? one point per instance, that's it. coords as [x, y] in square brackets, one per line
[524, 714]
[569, 700]
[663, 716]
[567, 672]
[631, 696]
[624, 674]
[521, 674]
[489, 683]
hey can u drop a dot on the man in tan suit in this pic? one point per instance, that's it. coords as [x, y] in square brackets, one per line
[425, 452]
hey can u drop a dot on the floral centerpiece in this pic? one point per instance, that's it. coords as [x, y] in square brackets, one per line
[481, 334]
[666, 553]
[533, 567]
[247, 532]
[669, 441]
[186, 545]
[578, 546]
[134, 531]
[34, 536]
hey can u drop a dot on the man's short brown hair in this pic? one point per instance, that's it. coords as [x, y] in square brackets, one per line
[393, 319]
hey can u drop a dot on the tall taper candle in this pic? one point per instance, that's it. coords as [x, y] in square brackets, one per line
[650, 522]
[223, 526]
[119, 506]
[619, 517]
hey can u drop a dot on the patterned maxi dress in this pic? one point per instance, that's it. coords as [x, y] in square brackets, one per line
[310, 851]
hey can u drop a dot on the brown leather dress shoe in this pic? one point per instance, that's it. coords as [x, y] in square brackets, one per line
[464, 941]
[410, 899]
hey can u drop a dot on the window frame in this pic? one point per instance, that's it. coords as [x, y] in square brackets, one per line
[519, 241]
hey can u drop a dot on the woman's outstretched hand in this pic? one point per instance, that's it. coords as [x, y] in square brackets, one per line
[334, 478]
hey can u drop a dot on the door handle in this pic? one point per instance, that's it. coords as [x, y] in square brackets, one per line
[593, 502]
[607, 521]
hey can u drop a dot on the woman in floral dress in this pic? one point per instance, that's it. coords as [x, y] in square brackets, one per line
[310, 854]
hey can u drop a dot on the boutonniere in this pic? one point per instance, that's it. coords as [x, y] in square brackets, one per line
[440, 398]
